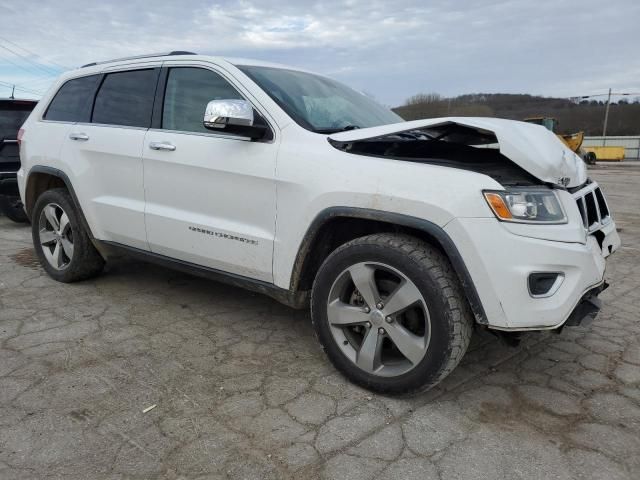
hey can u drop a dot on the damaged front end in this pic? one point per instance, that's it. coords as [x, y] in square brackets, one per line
[513, 153]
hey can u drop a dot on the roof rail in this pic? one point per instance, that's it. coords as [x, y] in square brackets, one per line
[136, 57]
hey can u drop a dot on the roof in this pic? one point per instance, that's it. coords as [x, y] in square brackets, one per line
[175, 55]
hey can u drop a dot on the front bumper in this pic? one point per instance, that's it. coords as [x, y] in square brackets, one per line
[500, 262]
[588, 307]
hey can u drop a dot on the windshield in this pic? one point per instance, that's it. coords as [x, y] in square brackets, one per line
[318, 103]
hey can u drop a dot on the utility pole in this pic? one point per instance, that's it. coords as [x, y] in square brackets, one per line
[13, 90]
[606, 119]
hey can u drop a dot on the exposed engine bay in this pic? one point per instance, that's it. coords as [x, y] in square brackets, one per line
[511, 152]
[450, 145]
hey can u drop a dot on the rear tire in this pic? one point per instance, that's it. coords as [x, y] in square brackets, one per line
[414, 321]
[12, 207]
[61, 243]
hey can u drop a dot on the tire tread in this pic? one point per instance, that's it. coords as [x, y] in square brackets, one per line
[87, 262]
[440, 269]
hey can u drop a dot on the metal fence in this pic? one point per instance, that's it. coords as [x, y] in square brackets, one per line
[631, 144]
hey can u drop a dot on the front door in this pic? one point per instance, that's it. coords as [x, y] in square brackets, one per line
[210, 197]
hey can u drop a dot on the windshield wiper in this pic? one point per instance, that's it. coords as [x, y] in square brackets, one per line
[336, 130]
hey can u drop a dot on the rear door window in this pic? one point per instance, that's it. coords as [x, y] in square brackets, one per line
[73, 101]
[126, 98]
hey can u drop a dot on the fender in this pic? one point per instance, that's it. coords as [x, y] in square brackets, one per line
[434, 231]
[54, 172]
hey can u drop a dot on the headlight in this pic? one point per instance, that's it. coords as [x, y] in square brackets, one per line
[526, 205]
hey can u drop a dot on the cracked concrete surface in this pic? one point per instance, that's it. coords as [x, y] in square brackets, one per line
[243, 391]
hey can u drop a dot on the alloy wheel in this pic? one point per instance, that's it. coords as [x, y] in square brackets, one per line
[379, 319]
[56, 236]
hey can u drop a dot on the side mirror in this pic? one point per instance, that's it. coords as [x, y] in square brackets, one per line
[236, 117]
[222, 113]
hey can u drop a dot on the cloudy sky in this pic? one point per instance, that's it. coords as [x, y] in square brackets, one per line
[389, 49]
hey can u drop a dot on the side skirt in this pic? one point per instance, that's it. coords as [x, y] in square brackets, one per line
[298, 300]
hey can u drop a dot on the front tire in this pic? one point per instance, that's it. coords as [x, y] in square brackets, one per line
[61, 243]
[389, 312]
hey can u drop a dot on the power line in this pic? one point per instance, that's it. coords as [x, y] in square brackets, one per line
[24, 68]
[39, 80]
[36, 66]
[63, 67]
[26, 90]
[31, 63]
[42, 72]
[607, 94]
[30, 52]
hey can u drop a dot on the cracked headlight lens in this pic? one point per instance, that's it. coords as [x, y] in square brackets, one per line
[526, 205]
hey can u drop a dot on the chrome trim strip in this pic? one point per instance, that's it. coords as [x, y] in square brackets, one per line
[204, 134]
[55, 121]
[110, 126]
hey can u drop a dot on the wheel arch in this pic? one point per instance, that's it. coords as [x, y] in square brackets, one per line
[329, 230]
[42, 178]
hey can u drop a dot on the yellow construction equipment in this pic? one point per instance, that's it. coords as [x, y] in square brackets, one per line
[573, 140]
[607, 154]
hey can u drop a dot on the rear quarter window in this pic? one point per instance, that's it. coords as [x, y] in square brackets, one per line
[73, 101]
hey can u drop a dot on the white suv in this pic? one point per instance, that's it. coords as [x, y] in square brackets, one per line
[401, 235]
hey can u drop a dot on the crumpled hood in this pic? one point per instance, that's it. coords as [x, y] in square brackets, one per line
[532, 147]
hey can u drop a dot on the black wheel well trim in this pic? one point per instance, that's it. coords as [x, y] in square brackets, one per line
[54, 172]
[433, 230]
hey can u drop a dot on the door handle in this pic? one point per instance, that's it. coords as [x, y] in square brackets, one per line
[162, 146]
[79, 136]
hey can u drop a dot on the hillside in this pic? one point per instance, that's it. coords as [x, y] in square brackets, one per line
[624, 118]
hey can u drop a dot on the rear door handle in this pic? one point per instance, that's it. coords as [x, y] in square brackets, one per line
[79, 136]
[162, 146]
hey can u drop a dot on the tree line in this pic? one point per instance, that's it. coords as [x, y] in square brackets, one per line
[572, 115]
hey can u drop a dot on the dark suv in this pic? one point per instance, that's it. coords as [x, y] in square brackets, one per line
[13, 113]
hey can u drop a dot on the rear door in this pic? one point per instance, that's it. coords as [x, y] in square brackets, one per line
[211, 196]
[105, 155]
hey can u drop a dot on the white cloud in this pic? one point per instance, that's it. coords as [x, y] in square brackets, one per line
[391, 49]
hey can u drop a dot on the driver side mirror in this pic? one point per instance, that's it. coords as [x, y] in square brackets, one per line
[233, 116]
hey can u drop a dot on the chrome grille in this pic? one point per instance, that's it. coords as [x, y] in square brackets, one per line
[593, 207]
